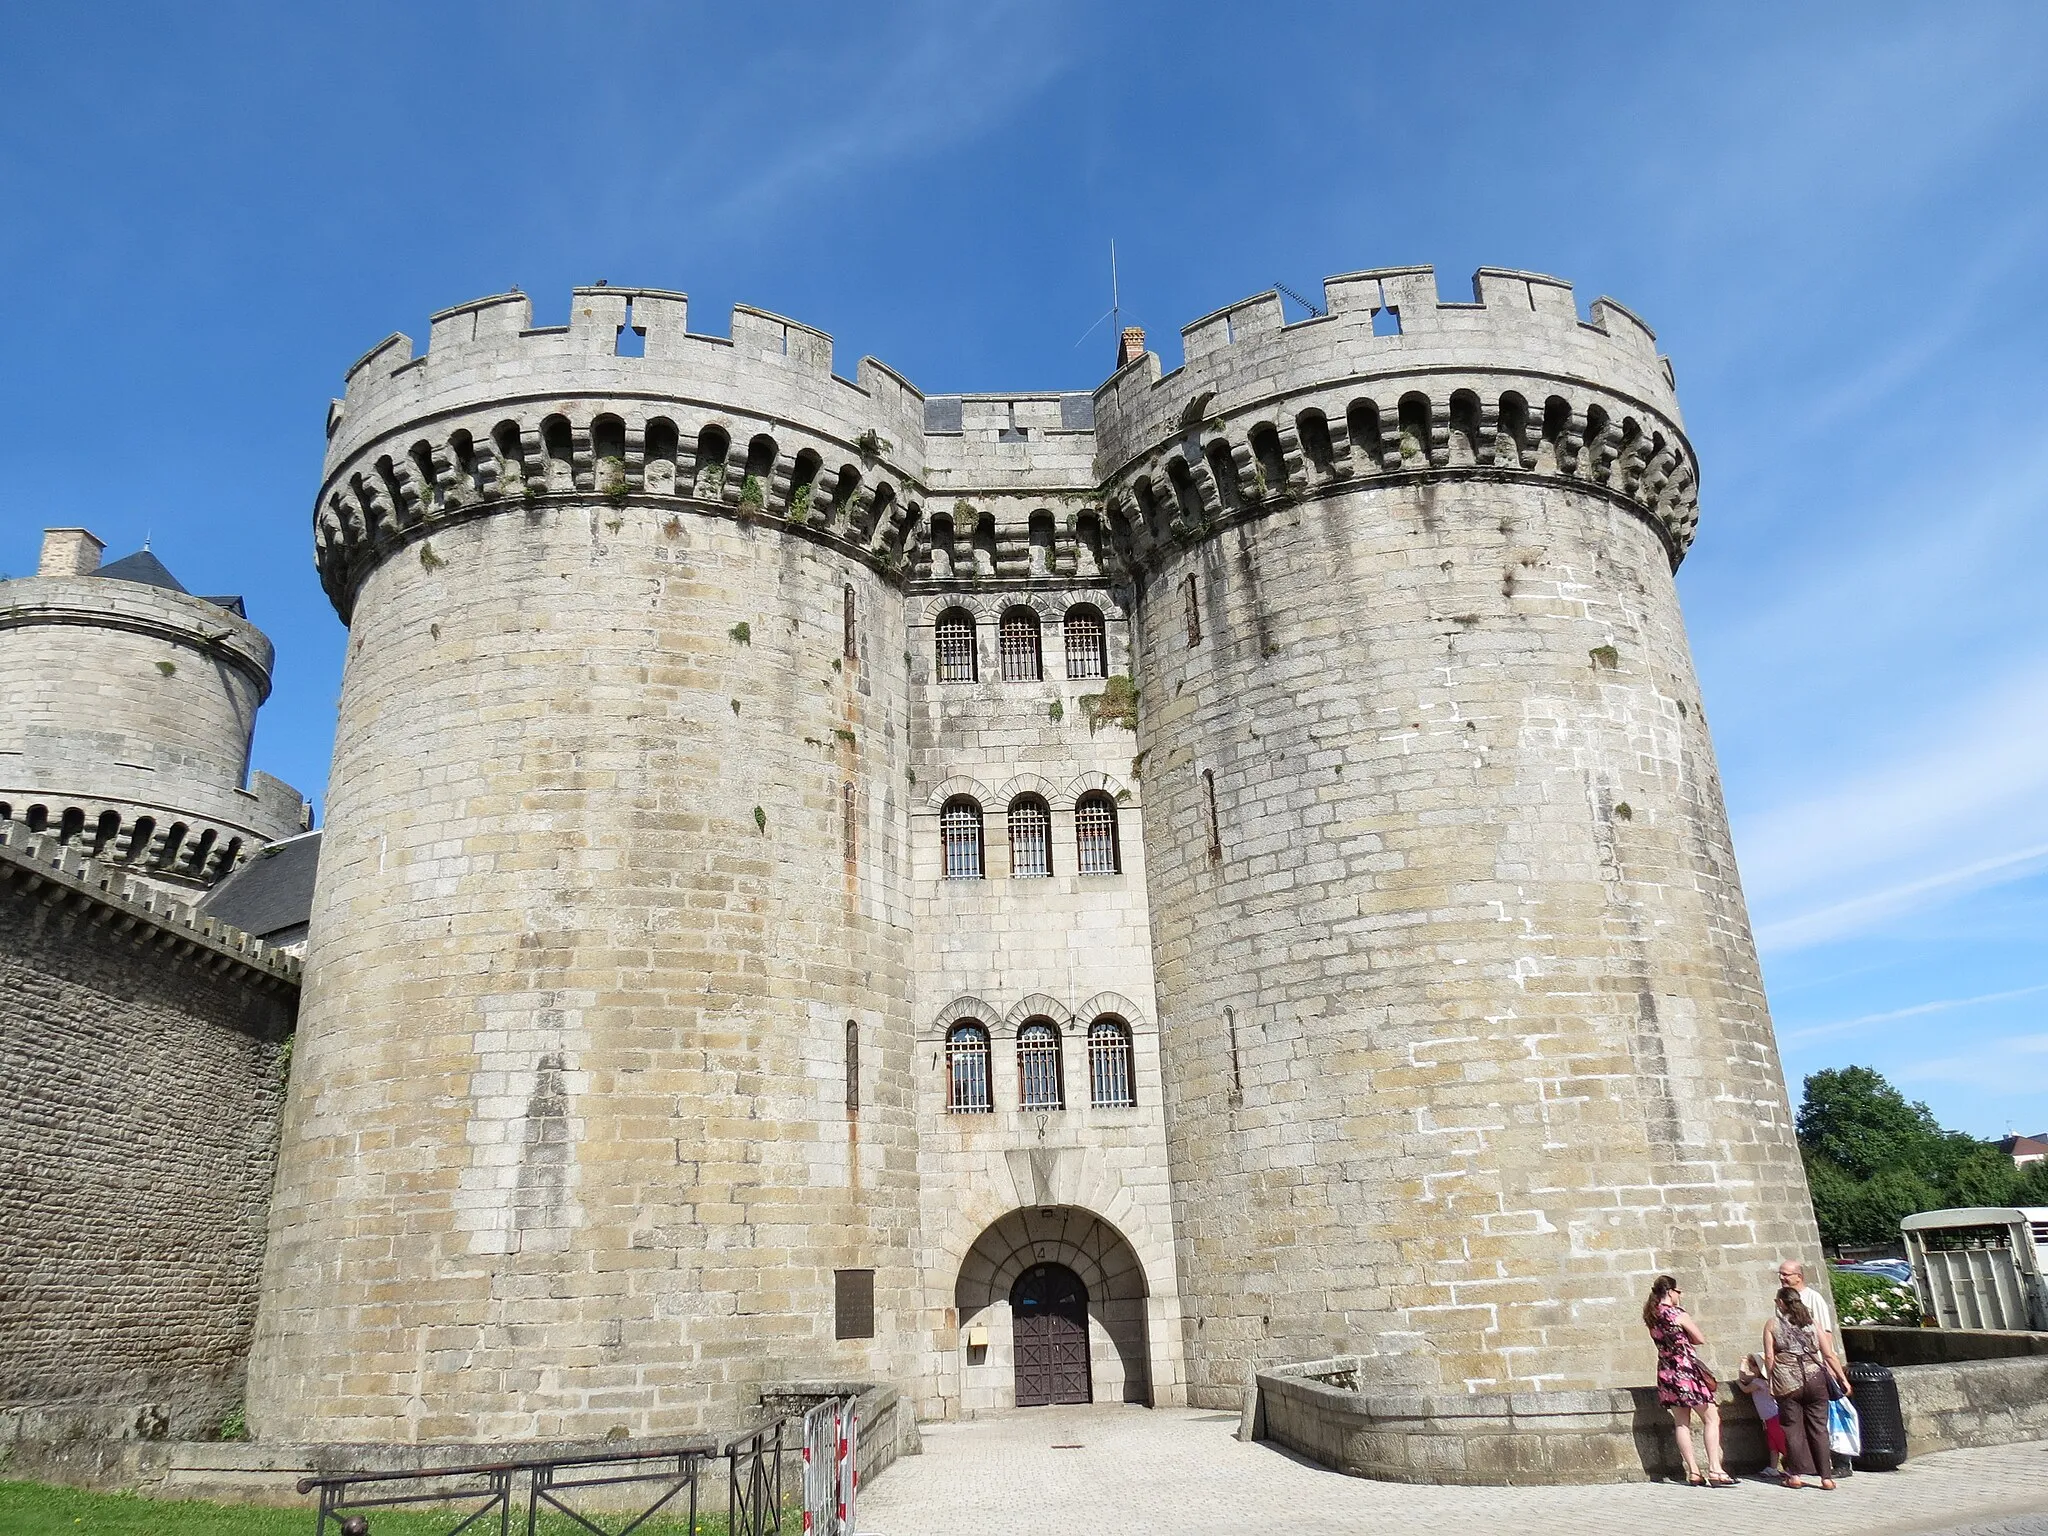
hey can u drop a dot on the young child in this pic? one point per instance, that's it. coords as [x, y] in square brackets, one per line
[1751, 1380]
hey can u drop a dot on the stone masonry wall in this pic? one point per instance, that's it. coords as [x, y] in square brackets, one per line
[1464, 1031]
[140, 1083]
[614, 856]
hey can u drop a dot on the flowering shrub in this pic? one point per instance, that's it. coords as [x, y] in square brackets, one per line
[1863, 1301]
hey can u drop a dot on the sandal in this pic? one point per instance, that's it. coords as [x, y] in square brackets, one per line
[1695, 1480]
[1791, 1482]
[1827, 1485]
[1720, 1480]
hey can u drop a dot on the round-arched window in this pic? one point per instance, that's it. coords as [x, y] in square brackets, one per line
[1087, 647]
[1019, 642]
[1110, 1081]
[1030, 838]
[955, 632]
[1038, 1064]
[960, 832]
[967, 1090]
[1095, 835]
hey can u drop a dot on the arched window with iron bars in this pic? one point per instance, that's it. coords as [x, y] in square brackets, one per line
[1095, 835]
[1111, 1084]
[967, 1090]
[955, 642]
[1038, 1065]
[1030, 838]
[960, 832]
[1087, 644]
[1018, 639]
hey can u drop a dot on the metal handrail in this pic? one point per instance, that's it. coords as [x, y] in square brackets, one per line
[755, 1495]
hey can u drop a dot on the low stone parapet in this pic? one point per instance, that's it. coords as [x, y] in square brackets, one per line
[1504, 1438]
[1961, 1386]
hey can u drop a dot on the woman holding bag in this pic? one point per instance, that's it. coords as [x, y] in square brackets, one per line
[1684, 1384]
[1800, 1361]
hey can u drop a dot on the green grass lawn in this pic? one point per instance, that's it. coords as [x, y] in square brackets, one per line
[38, 1509]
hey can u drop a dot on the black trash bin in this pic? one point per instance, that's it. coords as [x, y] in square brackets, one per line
[1877, 1410]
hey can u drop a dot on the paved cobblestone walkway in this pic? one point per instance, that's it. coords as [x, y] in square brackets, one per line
[1181, 1471]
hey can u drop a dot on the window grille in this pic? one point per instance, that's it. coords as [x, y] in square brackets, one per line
[956, 647]
[1095, 831]
[1109, 1065]
[960, 830]
[1087, 651]
[1019, 642]
[1030, 837]
[1038, 1065]
[967, 1066]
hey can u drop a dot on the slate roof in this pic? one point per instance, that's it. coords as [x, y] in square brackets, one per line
[142, 568]
[145, 570]
[270, 893]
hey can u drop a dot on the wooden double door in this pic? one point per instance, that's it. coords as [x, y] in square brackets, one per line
[1049, 1331]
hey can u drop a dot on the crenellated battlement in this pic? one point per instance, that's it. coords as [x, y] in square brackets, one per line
[1513, 384]
[616, 339]
[1392, 380]
[497, 411]
[1383, 322]
[151, 918]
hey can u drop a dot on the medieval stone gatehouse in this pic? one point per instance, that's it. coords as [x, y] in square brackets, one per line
[1024, 897]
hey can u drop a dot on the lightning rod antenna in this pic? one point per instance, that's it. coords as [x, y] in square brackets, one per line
[1114, 314]
[1315, 310]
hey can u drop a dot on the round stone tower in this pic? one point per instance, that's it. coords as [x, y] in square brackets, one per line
[131, 706]
[611, 905]
[1465, 1038]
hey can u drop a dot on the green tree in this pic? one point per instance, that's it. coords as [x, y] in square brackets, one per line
[1874, 1157]
[1864, 1126]
[1890, 1198]
[1837, 1200]
[1985, 1176]
[2033, 1185]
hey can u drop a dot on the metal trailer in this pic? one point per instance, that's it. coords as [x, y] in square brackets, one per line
[1981, 1266]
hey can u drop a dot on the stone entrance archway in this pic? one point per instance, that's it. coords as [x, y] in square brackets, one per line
[1010, 1355]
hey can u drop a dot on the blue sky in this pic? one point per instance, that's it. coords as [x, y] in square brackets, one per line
[1835, 217]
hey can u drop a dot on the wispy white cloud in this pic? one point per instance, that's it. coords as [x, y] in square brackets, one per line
[1860, 914]
[806, 125]
[1909, 765]
[1869, 1021]
[1792, 169]
[1921, 829]
[1958, 311]
[2004, 1068]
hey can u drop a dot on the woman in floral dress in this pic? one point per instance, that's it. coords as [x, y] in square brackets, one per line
[1684, 1384]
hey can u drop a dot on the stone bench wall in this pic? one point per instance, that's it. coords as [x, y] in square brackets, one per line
[1485, 1438]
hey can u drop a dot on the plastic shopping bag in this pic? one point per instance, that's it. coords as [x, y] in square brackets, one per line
[1845, 1430]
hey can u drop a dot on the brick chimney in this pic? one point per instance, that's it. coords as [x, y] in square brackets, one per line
[69, 552]
[1130, 346]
